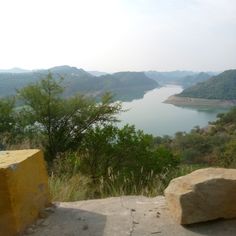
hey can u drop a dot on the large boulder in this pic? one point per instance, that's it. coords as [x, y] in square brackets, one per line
[24, 190]
[203, 195]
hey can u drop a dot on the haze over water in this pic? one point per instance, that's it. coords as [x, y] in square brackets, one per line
[155, 117]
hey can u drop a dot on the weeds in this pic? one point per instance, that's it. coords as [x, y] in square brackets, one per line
[78, 187]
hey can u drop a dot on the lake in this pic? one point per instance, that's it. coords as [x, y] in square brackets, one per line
[155, 117]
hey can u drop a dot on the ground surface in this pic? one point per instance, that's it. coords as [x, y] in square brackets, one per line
[121, 216]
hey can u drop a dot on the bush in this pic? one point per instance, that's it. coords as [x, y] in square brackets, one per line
[117, 161]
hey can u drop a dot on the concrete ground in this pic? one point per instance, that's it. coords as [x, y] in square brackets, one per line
[121, 216]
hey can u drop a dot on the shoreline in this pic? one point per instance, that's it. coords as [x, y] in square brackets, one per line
[199, 102]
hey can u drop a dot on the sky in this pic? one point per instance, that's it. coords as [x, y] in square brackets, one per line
[119, 35]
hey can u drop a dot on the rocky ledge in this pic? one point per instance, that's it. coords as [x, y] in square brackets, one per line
[121, 216]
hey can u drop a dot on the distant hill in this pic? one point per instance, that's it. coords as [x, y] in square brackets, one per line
[66, 70]
[124, 85]
[183, 78]
[191, 80]
[171, 77]
[14, 70]
[222, 86]
[97, 73]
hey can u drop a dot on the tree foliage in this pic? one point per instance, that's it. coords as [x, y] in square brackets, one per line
[213, 145]
[7, 121]
[58, 123]
[123, 160]
[126, 152]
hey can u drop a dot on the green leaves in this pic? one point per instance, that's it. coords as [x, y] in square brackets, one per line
[7, 121]
[62, 122]
[7, 116]
[126, 152]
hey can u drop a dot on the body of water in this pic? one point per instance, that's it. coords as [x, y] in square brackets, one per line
[155, 117]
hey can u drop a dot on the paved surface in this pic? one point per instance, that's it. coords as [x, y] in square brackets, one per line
[122, 216]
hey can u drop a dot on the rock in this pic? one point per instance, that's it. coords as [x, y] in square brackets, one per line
[43, 214]
[45, 223]
[85, 227]
[50, 209]
[30, 231]
[39, 222]
[112, 217]
[24, 190]
[203, 195]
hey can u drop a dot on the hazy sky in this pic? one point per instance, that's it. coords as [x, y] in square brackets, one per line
[117, 35]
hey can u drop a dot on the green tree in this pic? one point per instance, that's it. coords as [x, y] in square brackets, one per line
[7, 121]
[61, 123]
[228, 156]
[127, 153]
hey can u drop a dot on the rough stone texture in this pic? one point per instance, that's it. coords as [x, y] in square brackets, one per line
[23, 189]
[203, 195]
[123, 216]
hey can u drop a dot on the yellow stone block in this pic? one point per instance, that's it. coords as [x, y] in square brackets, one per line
[23, 189]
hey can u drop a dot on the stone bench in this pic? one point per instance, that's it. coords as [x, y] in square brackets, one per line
[23, 189]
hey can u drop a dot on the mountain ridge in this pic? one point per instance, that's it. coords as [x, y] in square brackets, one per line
[222, 86]
[124, 85]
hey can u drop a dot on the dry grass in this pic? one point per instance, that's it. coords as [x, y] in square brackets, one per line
[78, 187]
[66, 188]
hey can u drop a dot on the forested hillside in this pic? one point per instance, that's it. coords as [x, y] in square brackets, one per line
[214, 145]
[124, 85]
[222, 86]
